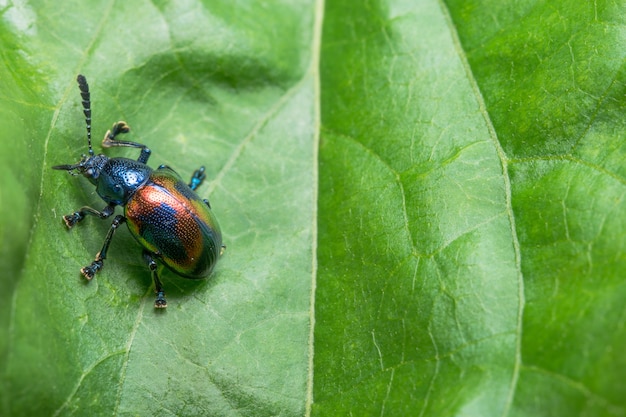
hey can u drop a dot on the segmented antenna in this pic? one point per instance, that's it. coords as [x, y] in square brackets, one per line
[84, 93]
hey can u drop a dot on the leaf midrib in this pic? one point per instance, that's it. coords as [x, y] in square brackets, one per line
[504, 163]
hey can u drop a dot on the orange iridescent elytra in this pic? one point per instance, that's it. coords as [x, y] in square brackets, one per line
[165, 207]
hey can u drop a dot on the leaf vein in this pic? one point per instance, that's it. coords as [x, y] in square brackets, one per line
[508, 204]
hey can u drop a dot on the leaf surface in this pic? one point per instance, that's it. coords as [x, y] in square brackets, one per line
[472, 227]
[453, 245]
[199, 85]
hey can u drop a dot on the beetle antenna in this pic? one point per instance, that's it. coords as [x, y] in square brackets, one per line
[69, 168]
[84, 93]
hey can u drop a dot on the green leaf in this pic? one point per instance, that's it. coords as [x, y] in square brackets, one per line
[200, 84]
[472, 200]
[457, 248]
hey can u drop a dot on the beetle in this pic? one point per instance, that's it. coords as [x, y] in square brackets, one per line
[163, 213]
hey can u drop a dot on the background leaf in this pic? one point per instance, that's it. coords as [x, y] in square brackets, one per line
[468, 228]
[472, 228]
[200, 84]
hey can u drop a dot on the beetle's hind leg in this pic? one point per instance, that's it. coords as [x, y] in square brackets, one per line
[91, 270]
[197, 178]
[160, 301]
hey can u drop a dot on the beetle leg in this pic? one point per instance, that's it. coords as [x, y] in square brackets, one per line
[121, 127]
[72, 219]
[197, 178]
[109, 136]
[90, 270]
[160, 301]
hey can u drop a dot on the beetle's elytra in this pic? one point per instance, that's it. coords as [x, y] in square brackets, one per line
[164, 214]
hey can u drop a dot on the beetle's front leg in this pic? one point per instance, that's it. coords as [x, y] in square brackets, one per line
[72, 219]
[90, 270]
[121, 127]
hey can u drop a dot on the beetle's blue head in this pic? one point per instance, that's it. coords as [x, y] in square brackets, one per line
[89, 165]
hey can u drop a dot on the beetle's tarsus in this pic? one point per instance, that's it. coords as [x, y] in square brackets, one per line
[119, 127]
[160, 301]
[197, 178]
[71, 219]
[90, 271]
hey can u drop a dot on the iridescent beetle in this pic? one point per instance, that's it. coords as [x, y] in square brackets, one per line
[163, 213]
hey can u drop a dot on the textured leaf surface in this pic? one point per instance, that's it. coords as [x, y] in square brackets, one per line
[468, 226]
[472, 157]
[202, 84]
